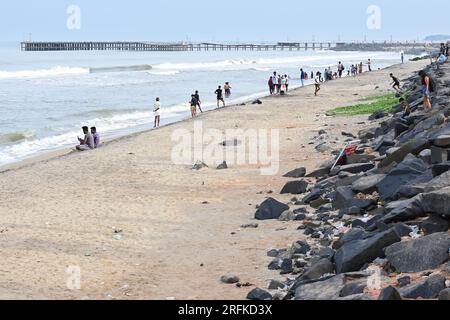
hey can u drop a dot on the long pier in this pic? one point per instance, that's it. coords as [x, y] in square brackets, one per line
[149, 46]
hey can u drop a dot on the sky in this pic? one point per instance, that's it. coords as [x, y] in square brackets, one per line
[222, 21]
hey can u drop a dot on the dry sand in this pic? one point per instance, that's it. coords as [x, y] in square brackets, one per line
[57, 212]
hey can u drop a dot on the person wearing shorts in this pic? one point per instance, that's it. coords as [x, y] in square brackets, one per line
[219, 93]
[317, 83]
[194, 103]
[395, 83]
[199, 103]
[87, 143]
[426, 83]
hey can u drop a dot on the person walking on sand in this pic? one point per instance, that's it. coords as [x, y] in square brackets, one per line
[219, 93]
[317, 83]
[87, 143]
[395, 83]
[194, 104]
[199, 103]
[227, 89]
[302, 77]
[426, 89]
[157, 112]
[369, 65]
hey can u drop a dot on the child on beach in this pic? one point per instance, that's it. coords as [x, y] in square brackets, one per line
[87, 143]
[395, 83]
[199, 103]
[317, 83]
[219, 93]
[96, 137]
[157, 112]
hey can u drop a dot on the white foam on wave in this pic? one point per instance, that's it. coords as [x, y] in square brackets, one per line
[164, 73]
[56, 71]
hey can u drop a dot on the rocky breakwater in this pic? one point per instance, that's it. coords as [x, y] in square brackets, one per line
[376, 227]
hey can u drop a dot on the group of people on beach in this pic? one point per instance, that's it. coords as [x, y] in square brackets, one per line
[195, 102]
[278, 84]
[90, 141]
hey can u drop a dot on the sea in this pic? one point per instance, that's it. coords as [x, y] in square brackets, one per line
[46, 97]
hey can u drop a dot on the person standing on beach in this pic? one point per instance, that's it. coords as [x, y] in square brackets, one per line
[317, 83]
[369, 65]
[403, 58]
[446, 49]
[227, 89]
[279, 84]
[426, 89]
[360, 68]
[312, 75]
[302, 77]
[87, 143]
[286, 77]
[219, 93]
[157, 112]
[271, 86]
[199, 103]
[395, 83]
[275, 82]
[341, 69]
[194, 104]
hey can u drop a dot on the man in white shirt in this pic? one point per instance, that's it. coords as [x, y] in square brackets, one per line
[157, 112]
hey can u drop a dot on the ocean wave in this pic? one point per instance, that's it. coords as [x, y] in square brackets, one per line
[140, 67]
[13, 137]
[164, 73]
[39, 73]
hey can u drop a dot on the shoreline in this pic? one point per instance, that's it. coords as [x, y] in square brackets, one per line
[65, 151]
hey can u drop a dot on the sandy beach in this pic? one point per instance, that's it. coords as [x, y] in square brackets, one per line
[180, 227]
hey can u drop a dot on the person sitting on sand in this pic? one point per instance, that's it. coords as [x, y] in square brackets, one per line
[317, 83]
[157, 112]
[96, 136]
[194, 103]
[87, 143]
[426, 89]
[199, 103]
[219, 93]
[395, 83]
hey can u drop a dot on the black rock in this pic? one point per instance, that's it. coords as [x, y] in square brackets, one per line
[378, 115]
[326, 253]
[413, 147]
[270, 209]
[275, 285]
[297, 173]
[353, 168]
[389, 293]
[257, 102]
[259, 295]
[230, 279]
[319, 173]
[199, 165]
[353, 255]
[426, 289]
[437, 202]
[313, 195]
[441, 168]
[444, 295]
[326, 289]
[222, 166]
[404, 281]
[406, 172]
[404, 210]
[343, 196]
[367, 184]
[317, 270]
[295, 187]
[353, 288]
[418, 255]
[434, 224]
[300, 247]
[440, 182]
[402, 229]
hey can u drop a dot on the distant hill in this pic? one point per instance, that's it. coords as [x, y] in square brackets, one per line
[438, 37]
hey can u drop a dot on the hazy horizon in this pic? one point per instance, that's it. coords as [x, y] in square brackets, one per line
[202, 20]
